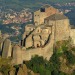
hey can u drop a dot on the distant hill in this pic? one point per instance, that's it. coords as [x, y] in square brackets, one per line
[35, 4]
[18, 4]
[71, 16]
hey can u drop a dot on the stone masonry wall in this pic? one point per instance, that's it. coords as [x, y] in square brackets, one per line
[40, 16]
[20, 55]
[62, 30]
[46, 52]
[17, 55]
[7, 49]
[72, 35]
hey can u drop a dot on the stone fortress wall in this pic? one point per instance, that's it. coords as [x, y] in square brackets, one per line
[58, 33]
[7, 49]
[62, 26]
[25, 55]
[39, 38]
[72, 35]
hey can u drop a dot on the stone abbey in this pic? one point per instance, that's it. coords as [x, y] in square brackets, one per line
[39, 38]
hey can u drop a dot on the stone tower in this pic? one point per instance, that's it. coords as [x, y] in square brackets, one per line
[1, 43]
[61, 26]
[17, 55]
[7, 49]
[0, 34]
[42, 13]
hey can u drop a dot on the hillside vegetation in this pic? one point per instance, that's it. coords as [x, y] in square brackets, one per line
[18, 4]
[62, 62]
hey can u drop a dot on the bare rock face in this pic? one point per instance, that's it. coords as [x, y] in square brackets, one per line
[66, 68]
[7, 49]
[20, 71]
[12, 72]
[32, 73]
[17, 55]
[1, 73]
[24, 69]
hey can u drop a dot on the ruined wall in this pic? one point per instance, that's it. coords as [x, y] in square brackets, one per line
[37, 38]
[0, 34]
[17, 55]
[1, 43]
[29, 42]
[29, 28]
[27, 54]
[72, 35]
[7, 49]
[62, 29]
[40, 16]
[20, 55]
[46, 51]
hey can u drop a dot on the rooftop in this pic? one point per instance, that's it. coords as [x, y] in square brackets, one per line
[56, 17]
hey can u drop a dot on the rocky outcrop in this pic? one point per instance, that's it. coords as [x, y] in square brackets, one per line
[12, 72]
[65, 67]
[22, 70]
[1, 73]
[7, 49]
[32, 73]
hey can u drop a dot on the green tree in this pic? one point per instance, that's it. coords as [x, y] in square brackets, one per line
[5, 65]
[70, 57]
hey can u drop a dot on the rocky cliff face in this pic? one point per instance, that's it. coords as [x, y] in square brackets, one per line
[22, 70]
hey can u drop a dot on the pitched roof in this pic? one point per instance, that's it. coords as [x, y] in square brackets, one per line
[56, 17]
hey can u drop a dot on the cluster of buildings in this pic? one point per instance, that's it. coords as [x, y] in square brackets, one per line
[40, 37]
[66, 4]
[16, 17]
